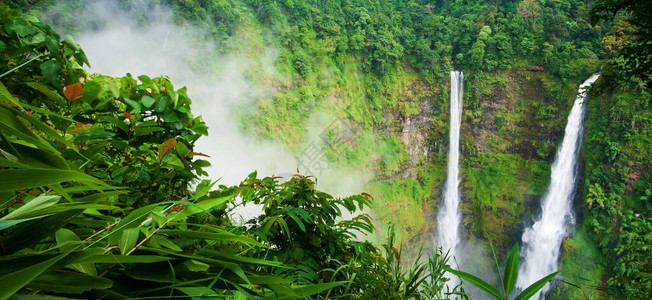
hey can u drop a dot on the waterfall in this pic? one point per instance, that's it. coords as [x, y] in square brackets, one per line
[448, 219]
[542, 241]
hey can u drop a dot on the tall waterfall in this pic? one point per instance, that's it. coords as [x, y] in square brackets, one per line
[448, 219]
[540, 254]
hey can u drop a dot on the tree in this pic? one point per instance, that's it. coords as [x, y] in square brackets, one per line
[631, 56]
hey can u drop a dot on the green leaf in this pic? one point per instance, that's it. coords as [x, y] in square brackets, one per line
[135, 105]
[63, 237]
[68, 41]
[221, 235]
[230, 257]
[511, 271]
[52, 44]
[20, 27]
[30, 178]
[36, 39]
[196, 266]
[123, 259]
[143, 130]
[9, 223]
[27, 234]
[158, 217]
[52, 95]
[161, 105]
[14, 281]
[69, 282]
[36, 204]
[50, 70]
[172, 162]
[164, 242]
[156, 272]
[13, 125]
[5, 94]
[297, 220]
[129, 239]
[198, 292]
[118, 123]
[182, 149]
[528, 292]
[130, 221]
[38, 297]
[481, 284]
[147, 101]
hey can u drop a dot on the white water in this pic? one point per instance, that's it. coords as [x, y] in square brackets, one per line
[542, 241]
[448, 218]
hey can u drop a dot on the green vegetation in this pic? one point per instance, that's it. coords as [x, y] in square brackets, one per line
[383, 66]
[101, 198]
[508, 280]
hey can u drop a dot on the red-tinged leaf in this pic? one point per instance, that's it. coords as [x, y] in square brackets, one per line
[127, 115]
[198, 154]
[73, 91]
[167, 147]
[175, 209]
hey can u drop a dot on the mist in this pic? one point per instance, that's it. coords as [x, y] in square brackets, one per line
[219, 86]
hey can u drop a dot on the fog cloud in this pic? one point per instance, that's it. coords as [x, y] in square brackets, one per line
[219, 86]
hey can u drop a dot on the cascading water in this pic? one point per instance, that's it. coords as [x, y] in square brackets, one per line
[542, 241]
[448, 218]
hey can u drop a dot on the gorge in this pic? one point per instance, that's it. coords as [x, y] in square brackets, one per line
[395, 148]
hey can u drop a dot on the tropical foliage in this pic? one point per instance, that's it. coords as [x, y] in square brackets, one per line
[378, 64]
[101, 198]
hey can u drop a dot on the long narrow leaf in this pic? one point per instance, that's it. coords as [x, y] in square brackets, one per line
[535, 287]
[218, 236]
[511, 271]
[69, 282]
[202, 206]
[31, 178]
[13, 282]
[36, 204]
[481, 284]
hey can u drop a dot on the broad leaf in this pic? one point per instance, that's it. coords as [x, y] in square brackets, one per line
[50, 70]
[73, 91]
[147, 101]
[167, 147]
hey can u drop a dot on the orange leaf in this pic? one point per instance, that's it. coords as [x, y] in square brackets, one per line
[175, 208]
[73, 91]
[167, 147]
[198, 153]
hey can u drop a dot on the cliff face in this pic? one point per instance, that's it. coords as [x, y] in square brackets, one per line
[512, 127]
[512, 124]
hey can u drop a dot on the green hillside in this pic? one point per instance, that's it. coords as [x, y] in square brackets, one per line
[382, 67]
